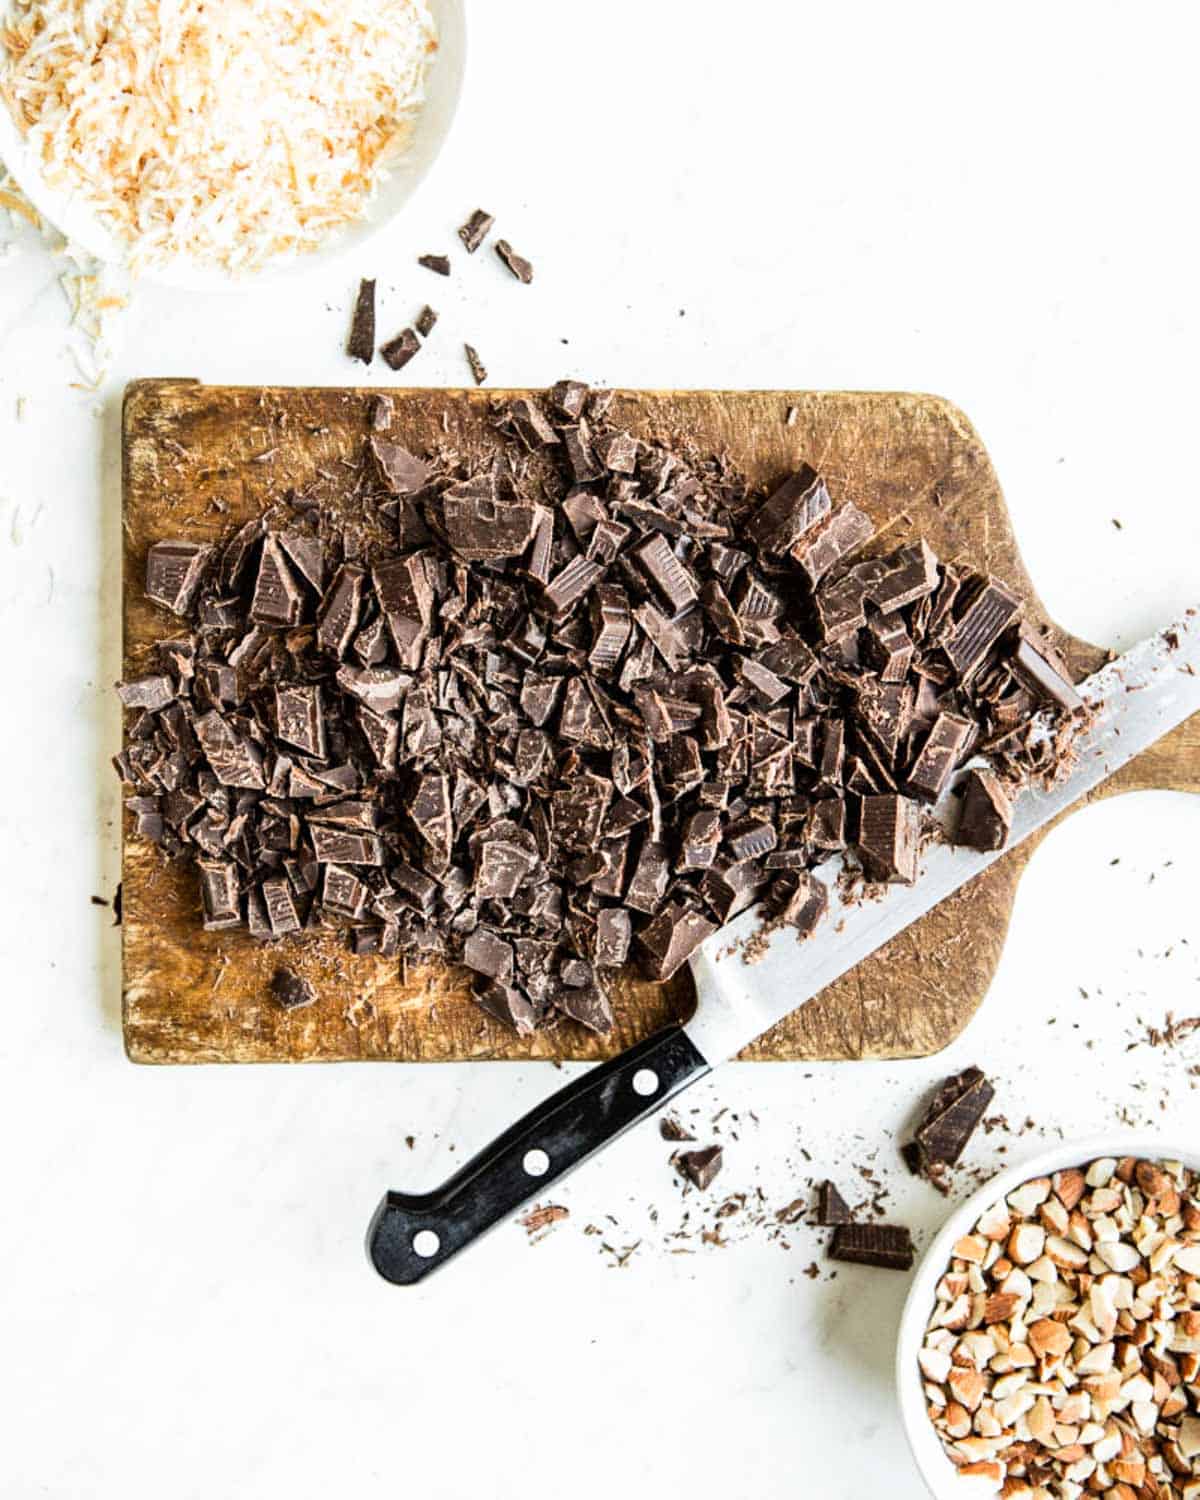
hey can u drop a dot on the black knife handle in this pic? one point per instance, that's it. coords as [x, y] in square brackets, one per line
[414, 1234]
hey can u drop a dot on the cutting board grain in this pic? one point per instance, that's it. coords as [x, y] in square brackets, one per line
[197, 459]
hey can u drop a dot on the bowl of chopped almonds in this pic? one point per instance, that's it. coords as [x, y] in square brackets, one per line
[1050, 1344]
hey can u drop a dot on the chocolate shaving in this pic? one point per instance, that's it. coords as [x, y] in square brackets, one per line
[361, 344]
[517, 264]
[476, 230]
[438, 263]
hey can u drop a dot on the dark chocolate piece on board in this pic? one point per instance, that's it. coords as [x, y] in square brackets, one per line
[953, 1114]
[699, 1167]
[234, 760]
[847, 529]
[401, 471]
[219, 893]
[438, 263]
[614, 930]
[986, 817]
[291, 990]
[361, 344]
[307, 555]
[888, 1246]
[1036, 667]
[806, 904]
[669, 573]
[517, 264]
[278, 598]
[672, 937]
[832, 1208]
[475, 230]
[478, 370]
[337, 619]
[889, 838]
[299, 719]
[503, 1003]
[153, 692]
[800, 503]
[945, 745]
[174, 571]
[978, 629]
[425, 320]
[588, 1004]
[398, 351]
[913, 573]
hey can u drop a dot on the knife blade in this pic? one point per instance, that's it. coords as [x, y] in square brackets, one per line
[1129, 704]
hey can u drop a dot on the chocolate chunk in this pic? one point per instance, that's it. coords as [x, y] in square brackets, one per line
[278, 598]
[476, 230]
[832, 1208]
[889, 838]
[913, 573]
[299, 719]
[281, 908]
[571, 584]
[398, 351]
[517, 264]
[578, 448]
[952, 1116]
[361, 344]
[617, 451]
[669, 573]
[672, 937]
[761, 680]
[732, 891]
[338, 617]
[487, 953]
[570, 397]
[806, 903]
[503, 1003]
[292, 991]
[152, 693]
[986, 818]
[699, 1167]
[1034, 666]
[944, 748]
[588, 1005]
[800, 503]
[340, 846]
[888, 1246]
[841, 533]
[481, 528]
[750, 838]
[219, 893]
[532, 424]
[991, 613]
[401, 471]
[614, 931]
[307, 555]
[671, 1130]
[889, 648]
[174, 571]
[611, 625]
[503, 865]
[438, 263]
[425, 320]
[701, 838]
[648, 884]
[233, 759]
[478, 370]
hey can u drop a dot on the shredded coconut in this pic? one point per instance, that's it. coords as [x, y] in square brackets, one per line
[224, 133]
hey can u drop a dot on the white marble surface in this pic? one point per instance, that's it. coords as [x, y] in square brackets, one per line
[994, 205]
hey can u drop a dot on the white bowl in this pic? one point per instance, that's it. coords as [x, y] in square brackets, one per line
[72, 216]
[941, 1478]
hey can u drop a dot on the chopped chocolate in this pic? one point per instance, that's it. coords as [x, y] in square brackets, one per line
[401, 471]
[889, 838]
[699, 1167]
[614, 931]
[476, 230]
[672, 937]
[832, 1208]
[519, 711]
[888, 1246]
[398, 351]
[478, 370]
[951, 1118]
[292, 991]
[425, 320]
[671, 1130]
[174, 571]
[438, 263]
[944, 748]
[841, 533]
[986, 817]
[1035, 665]
[517, 264]
[991, 613]
[361, 344]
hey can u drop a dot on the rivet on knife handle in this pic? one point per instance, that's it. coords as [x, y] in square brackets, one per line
[412, 1235]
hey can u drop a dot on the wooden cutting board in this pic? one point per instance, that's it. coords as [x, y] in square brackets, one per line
[198, 459]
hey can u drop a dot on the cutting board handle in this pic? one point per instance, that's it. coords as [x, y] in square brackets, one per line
[413, 1235]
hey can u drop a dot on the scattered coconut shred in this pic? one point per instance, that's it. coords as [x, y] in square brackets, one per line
[226, 132]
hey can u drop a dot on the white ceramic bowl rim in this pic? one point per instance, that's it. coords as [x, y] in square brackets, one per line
[72, 215]
[940, 1477]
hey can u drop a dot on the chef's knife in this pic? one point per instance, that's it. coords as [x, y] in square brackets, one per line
[1130, 703]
